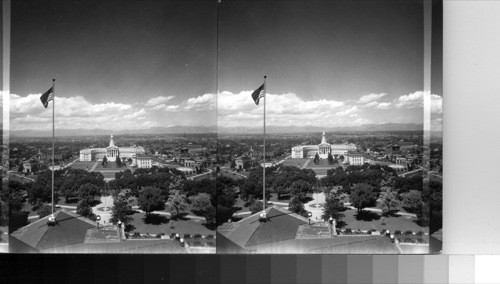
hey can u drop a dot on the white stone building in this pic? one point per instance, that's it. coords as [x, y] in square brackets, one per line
[110, 152]
[323, 149]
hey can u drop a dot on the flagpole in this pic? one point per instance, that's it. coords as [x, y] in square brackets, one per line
[53, 131]
[264, 152]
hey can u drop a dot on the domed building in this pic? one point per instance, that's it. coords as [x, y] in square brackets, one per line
[323, 149]
[110, 152]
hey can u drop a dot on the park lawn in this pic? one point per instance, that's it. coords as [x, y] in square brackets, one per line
[20, 179]
[112, 166]
[204, 176]
[274, 198]
[82, 165]
[164, 224]
[295, 162]
[232, 175]
[392, 223]
[241, 203]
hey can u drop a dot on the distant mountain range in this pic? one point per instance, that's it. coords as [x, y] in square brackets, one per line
[309, 129]
[213, 129]
[98, 131]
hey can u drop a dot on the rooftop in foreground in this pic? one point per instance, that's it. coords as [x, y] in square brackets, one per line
[72, 233]
[278, 234]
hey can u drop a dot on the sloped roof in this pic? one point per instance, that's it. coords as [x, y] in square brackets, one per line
[69, 228]
[225, 245]
[281, 225]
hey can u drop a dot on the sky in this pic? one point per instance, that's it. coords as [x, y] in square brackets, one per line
[135, 65]
[117, 64]
[332, 63]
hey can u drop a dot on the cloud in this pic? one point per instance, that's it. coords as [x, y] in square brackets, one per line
[436, 104]
[412, 100]
[383, 105]
[238, 109]
[203, 102]
[370, 98]
[158, 100]
[350, 111]
[159, 107]
[27, 112]
[172, 108]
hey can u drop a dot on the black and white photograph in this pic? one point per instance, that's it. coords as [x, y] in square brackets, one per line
[329, 135]
[112, 127]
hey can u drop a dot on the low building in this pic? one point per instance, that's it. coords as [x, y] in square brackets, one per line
[401, 160]
[239, 164]
[355, 158]
[143, 161]
[27, 167]
[189, 163]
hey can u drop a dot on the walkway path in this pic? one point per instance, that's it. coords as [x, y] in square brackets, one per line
[209, 171]
[283, 160]
[231, 172]
[320, 198]
[169, 214]
[306, 164]
[68, 165]
[104, 209]
[93, 167]
[20, 175]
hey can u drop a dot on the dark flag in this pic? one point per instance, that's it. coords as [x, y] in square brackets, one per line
[257, 94]
[47, 96]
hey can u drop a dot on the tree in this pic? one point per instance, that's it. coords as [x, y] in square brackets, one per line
[226, 195]
[330, 159]
[84, 209]
[201, 203]
[412, 202]
[299, 188]
[295, 205]
[333, 207]
[21, 168]
[118, 161]
[122, 207]
[389, 199]
[88, 191]
[43, 210]
[150, 199]
[176, 203]
[12, 194]
[41, 191]
[255, 206]
[316, 158]
[362, 195]
[233, 164]
[104, 161]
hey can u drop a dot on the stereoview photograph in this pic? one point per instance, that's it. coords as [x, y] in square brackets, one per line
[112, 127]
[325, 113]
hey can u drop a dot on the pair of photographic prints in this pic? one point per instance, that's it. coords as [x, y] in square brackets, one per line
[228, 127]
